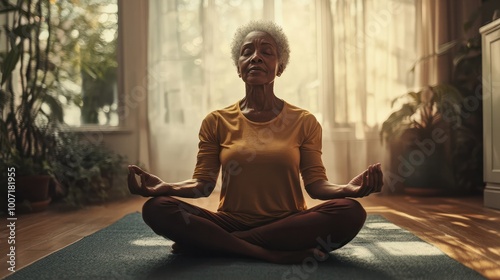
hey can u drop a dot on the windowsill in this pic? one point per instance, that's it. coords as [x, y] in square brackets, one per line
[97, 129]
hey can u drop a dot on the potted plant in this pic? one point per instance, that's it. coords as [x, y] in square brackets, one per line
[90, 173]
[435, 138]
[29, 109]
[432, 149]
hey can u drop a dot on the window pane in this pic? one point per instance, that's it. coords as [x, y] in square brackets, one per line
[228, 15]
[84, 44]
[189, 57]
[299, 83]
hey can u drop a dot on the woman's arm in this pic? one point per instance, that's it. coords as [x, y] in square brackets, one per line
[152, 185]
[370, 181]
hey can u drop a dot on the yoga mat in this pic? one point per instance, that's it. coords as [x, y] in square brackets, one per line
[128, 249]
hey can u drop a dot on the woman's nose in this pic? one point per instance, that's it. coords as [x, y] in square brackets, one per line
[256, 57]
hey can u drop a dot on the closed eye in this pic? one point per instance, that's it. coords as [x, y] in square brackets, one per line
[246, 51]
[268, 51]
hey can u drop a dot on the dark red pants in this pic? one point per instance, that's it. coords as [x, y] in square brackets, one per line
[327, 226]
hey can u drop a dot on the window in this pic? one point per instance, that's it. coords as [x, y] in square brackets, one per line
[189, 56]
[333, 71]
[84, 50]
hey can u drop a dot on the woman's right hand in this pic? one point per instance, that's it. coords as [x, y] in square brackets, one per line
[366, 183]
[149, 185]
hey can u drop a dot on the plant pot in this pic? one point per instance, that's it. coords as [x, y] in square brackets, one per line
[420, 166]
[33, 207]
[33, 191]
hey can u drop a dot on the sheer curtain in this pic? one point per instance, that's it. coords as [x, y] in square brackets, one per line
[439, 32]
[190, 74]
[372, 50]
[349, 59]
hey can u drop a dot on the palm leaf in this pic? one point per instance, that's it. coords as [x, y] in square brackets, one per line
[397, 119]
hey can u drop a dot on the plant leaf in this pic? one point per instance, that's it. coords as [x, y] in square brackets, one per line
[5, 10]
[24, 30]
[10, 63]
[56, 110]
[4, 98]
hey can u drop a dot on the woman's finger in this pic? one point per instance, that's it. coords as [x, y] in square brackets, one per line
[376, 181]
[368, 184]
[143, 181]
[132, 183]
[381, 179]
[137, 169]
[364, 189]
[373, 177]
[364, 182]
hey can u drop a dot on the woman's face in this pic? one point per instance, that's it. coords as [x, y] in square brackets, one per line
[258, 62]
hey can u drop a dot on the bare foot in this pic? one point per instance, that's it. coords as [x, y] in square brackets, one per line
[182, 249]
[176, 249]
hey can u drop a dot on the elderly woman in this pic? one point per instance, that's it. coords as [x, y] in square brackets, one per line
[265, 147]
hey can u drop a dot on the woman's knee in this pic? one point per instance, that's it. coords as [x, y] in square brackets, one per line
[357, 213]
[348, 205]
[156, 208]
[354, 218]
[350, 210]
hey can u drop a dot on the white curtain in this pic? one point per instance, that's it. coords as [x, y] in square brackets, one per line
[190, 74]
[349, 59]
[373, 49]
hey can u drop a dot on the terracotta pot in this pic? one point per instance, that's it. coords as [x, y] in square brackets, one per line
[34, 190]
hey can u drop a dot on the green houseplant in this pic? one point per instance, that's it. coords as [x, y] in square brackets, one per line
[433, 149]
[435, 138]
[29, 109]
[31, 114]
[91, 173]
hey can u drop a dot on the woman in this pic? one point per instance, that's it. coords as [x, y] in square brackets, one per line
[265, 146]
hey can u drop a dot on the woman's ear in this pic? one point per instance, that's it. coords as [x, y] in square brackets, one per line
[280, 70]
[238, 71]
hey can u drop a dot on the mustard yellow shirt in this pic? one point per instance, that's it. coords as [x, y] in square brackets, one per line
[262, 162]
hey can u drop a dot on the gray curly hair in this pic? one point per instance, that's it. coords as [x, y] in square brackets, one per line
[270, 28]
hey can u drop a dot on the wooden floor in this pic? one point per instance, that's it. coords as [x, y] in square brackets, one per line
[461, 227]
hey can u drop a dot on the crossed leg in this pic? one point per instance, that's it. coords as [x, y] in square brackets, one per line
[327, 227]
[323, 228]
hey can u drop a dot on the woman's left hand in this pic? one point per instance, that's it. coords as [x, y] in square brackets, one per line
[149, 185]
[369, 181]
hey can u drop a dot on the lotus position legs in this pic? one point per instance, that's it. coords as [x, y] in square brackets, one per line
[312, 232]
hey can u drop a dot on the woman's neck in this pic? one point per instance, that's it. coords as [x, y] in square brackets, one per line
[260, 104]
[260, 98]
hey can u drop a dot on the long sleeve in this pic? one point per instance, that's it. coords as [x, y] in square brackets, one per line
[208, 163]
[311, 165]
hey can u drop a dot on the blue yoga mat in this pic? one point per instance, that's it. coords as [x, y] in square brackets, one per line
[128, 249]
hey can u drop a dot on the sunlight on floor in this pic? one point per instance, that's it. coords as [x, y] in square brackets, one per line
[454, 216]
[385, 210]
[403, 248]
[152, 241]
[359, 252]
[382, 226]
[444, 222]
[409, 248]
[460, 224]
